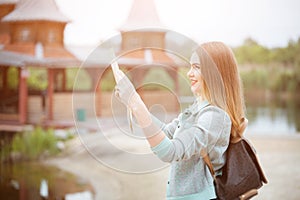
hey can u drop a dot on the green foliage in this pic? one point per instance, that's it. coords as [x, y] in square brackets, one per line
[279, 70]
[255, 78]
[276, 70]
[184, 82]
[289, 55]
[275, 80]
[252, 52]
[4, 152]
[78, 79]
[32, 145]
[107, 81]
[158, 79]
[13, 79]
[37, 79]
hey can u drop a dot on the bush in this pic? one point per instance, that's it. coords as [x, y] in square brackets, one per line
[35, 144]
[275, 80]
[256, 78]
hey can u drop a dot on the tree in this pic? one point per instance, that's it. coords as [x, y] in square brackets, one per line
[252, 52]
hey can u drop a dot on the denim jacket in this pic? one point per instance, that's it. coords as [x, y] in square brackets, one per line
[200, 127]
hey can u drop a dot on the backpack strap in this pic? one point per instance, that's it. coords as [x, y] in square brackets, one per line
[256, 161]
[242, 128]
[207, 161]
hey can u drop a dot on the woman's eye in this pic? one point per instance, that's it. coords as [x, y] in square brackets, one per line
[196, 66]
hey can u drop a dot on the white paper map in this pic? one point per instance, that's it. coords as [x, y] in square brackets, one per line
[114, 65]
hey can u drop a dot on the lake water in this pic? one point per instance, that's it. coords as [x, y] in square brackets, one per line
[271, 122]
[274, 116]
[23, 181]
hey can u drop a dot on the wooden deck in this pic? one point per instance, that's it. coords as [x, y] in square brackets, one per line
[58, 124]
[14, 127]
[9, 117]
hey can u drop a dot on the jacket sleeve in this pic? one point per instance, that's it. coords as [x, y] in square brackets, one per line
[212, 126]
[168, 128]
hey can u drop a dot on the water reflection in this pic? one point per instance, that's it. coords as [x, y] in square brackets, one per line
[276, 115]
[22, 181]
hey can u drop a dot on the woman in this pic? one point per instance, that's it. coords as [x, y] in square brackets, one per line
[205, 128]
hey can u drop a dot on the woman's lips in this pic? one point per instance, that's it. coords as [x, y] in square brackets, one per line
[193, 82]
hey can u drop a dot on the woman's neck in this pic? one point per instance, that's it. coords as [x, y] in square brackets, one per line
[200, 98]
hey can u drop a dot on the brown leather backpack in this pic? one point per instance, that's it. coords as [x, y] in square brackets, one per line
[242, 174]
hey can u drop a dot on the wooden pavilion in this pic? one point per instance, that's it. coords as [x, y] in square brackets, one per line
[144, 38]
[32, 35]
[32, 38]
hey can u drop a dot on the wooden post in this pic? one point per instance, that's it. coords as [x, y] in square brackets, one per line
[4, 79]
[23, 190]
[50, 93]
[95, 74]
[64, 80]
[98, 99]
[23, 95]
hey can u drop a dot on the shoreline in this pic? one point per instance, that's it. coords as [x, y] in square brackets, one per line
[278, 154]
[108, 183]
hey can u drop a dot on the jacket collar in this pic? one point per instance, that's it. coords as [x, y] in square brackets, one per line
[195, 108]
[199, 106]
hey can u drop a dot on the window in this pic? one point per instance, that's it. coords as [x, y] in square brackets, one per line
[52, 36]
[25, 35]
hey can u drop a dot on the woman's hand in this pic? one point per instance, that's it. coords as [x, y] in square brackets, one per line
[125, 91]
[127, 94]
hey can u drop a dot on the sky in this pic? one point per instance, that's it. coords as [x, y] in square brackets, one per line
[272, 23]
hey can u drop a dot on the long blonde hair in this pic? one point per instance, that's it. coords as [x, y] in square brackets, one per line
[230, 92]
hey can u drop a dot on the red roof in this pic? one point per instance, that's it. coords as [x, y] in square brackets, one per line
[28, 10]
[143, 14]
[2, 2]
[146, 56]
[53, 51]
[8, 58]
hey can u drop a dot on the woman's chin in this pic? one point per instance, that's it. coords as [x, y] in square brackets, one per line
[194, 91]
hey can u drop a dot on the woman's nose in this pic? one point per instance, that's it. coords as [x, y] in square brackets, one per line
[189, 73]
